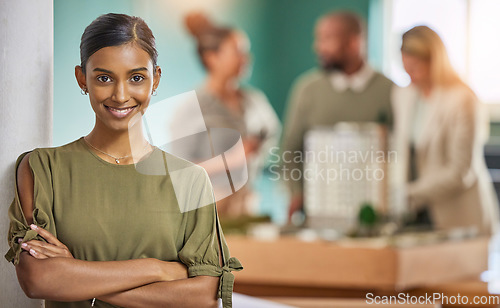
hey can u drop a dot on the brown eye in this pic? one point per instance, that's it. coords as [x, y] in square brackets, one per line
[103, 78]
[137, 78]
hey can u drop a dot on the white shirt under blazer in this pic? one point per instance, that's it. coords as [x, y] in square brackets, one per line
[452, 176]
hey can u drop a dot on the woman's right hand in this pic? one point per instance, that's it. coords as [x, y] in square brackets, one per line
[41, 250]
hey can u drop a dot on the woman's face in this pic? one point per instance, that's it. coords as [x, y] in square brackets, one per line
[231, 59]
[417, 68]
[119, 80]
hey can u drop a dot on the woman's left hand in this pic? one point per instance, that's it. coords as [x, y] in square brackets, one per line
[41, 250]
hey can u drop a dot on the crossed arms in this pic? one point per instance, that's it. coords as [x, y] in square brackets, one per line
[49, 271]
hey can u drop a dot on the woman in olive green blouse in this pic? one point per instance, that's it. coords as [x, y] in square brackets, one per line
[109, 220]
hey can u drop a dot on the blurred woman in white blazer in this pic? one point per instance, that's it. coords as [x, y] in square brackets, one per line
[440, 130]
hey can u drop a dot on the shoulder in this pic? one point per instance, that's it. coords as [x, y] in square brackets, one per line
[70, 145]
[190, 171]
[28, 159]
[401, 95]
[43, 157]
[48, 152]
[402, 99]
[256, 97]
[27, 164]
[460, 92]
[308, 79]
[191, 184]
[409, 89]
[457, 98]
[382, 80]
[251, 91]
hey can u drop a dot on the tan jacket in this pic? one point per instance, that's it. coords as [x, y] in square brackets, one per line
[452, 176]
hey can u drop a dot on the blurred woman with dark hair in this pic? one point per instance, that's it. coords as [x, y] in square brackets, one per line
[225, 103]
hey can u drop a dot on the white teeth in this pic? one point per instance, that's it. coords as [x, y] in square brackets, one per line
[121, 110]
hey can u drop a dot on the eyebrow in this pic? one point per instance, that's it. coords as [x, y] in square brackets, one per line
[110, 72]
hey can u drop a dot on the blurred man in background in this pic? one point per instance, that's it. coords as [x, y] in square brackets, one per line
[344, 88]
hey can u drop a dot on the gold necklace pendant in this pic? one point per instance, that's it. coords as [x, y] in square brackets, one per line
[117, 159]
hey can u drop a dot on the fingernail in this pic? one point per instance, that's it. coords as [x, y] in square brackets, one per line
[33, 252]
[19, 240]
[33, 226]
[24, 245]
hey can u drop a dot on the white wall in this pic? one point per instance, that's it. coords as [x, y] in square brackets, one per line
[26, 74]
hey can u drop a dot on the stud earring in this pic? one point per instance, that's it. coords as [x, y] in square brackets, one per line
[83, 91]
[154, 93]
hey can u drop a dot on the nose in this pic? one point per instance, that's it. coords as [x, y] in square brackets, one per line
[120, 93]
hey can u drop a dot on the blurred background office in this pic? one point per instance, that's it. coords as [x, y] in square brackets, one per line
[282, 49]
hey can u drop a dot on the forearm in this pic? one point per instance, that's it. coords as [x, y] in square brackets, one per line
[435, 187]
[67, 279]
[453, 177]
[199, 291]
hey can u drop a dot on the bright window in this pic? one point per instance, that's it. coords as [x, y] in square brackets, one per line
[470, 30]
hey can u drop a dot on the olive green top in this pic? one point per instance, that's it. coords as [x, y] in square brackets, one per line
[161, 207]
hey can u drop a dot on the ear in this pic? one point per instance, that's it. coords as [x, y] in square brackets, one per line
[80, 77]
[157, 77]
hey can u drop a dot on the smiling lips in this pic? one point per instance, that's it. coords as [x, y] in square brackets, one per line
[120, 112]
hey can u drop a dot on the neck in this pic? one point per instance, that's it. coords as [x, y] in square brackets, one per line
[425, 88]
[118, 143]
[221, 86]
[353, 66]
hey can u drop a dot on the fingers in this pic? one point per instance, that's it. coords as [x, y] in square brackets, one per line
[37, 255]
[47, 249]
[44, 249]
[46, 235]
[33, 252]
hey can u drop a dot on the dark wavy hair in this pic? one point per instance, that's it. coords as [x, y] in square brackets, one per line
[209, 37]
[113, 30]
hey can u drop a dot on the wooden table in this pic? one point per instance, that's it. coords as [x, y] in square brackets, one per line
[289, 267]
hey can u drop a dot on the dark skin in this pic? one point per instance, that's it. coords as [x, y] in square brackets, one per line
[117, 77]
[336, 46]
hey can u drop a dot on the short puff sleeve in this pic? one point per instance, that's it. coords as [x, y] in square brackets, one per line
[203, 237]
[42, 202]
